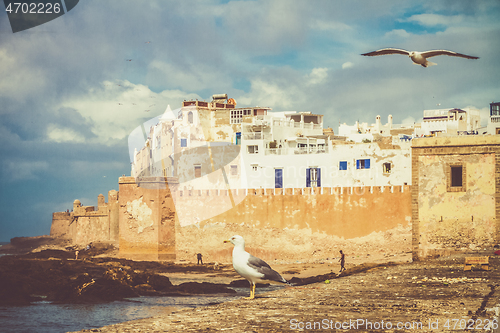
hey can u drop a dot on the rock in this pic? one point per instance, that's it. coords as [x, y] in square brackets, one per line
[159, 282]
[245, 284]
[203, 288]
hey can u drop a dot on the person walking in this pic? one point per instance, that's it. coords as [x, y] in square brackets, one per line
[342, 261]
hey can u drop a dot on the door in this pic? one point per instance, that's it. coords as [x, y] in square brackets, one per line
[278, 178]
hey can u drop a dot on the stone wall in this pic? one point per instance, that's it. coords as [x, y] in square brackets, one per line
[448, 219]
[346, 212]
[146, 219]
[86, 224]
[60, 227]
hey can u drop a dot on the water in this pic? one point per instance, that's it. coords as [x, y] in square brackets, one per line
[3, 243]
[44, 317]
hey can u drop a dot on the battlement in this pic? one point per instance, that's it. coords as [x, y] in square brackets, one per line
[352, 190]
[342, 211]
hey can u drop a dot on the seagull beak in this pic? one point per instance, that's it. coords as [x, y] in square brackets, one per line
[227, 241]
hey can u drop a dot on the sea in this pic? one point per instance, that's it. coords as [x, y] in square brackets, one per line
[44, 317]
[2, 244]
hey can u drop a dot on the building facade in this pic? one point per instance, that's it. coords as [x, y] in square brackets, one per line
[218, 146]
[493, 126]
[455, 194]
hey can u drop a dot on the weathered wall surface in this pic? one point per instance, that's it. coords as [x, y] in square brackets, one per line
[86, 224]
[448, 220]
[60, 225]
[343, 212]
[146, 219]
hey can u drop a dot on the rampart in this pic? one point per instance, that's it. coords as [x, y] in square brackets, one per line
[146, 213]
[344, 211]
[86, 224]
[146, 218]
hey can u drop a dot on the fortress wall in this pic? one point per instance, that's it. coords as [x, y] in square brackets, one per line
[455, 214]
[346, 212]
[86, 224]
[91, 229]
[60, 227]
[146, 219]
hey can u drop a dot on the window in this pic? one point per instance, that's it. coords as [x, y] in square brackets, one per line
[313, 177]
[197, 171]
[386, 167]
[343, 165]
[363, 164]
[190, 117]
[234, 170]
[278, 178]
[183, 142]
[253, 149]
[456, 178]
[236, 116]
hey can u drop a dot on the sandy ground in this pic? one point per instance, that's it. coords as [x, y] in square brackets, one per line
[287, 246]
[380, 288]
[432, 296]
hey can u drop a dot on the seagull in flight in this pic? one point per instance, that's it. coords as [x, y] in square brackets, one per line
[419, 58]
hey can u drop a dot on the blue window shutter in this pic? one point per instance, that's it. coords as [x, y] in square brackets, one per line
[367, 163]
[357, 164]
[318, 183]
[278, 178]
[343, 165]
[183, 142]
[308, 177]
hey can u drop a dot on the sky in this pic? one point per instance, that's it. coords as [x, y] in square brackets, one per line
[73, 89]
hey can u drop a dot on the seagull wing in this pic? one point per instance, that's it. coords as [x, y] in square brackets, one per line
[262, 267]
[386, 51]
[433, 53]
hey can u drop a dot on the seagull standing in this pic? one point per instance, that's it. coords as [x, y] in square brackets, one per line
[251, 268]
[419, 58]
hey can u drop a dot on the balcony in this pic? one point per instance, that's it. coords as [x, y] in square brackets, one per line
[296, 151]
[257, 136]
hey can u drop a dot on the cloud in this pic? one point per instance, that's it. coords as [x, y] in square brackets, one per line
[330, 25]
[18, 78]
[408, 121]
[347, 65]
[23, 169]
[397, 33]
[58, 134]
[113, 109]
[264, 27]
[430, 20]
[318, 75]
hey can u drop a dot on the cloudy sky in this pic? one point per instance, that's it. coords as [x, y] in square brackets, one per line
[71, 90]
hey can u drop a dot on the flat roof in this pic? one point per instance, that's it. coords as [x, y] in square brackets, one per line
[462, 140]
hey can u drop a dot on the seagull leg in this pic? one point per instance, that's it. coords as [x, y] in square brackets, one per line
[252, 292]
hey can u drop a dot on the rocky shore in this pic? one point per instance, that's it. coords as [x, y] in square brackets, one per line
[376, 293]
[55, 275]
[432, 296]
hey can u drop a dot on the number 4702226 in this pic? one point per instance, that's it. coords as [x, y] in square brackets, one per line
[33, 8]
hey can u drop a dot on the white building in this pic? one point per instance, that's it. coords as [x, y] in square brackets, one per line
[493, 126]
[450, 121]
[214, 145]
